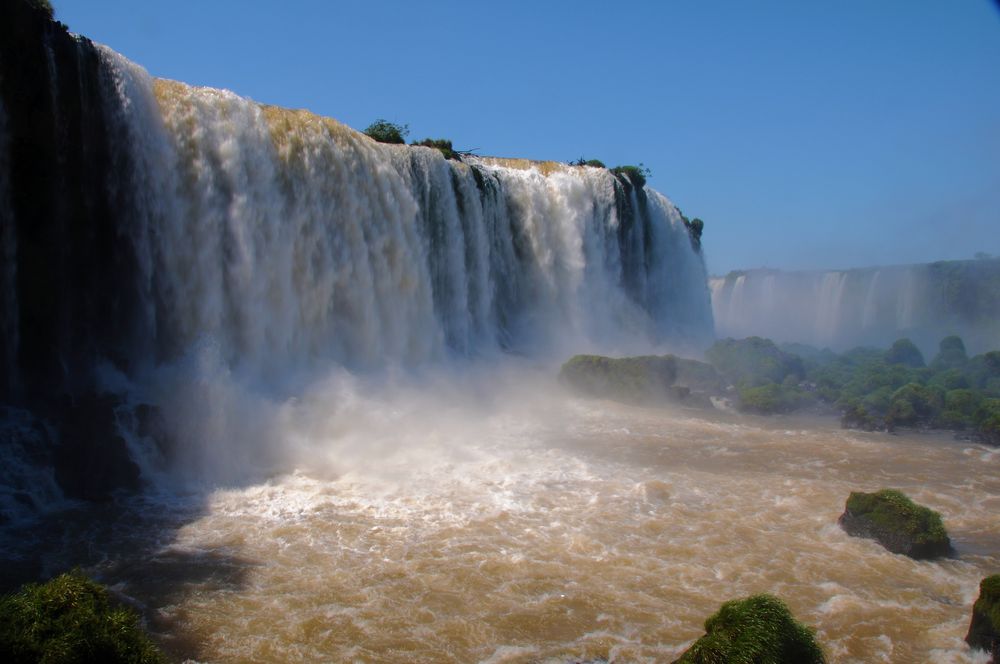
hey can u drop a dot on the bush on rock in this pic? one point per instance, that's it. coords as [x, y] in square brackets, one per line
[897, 523]
[71, 620]
[756, 630]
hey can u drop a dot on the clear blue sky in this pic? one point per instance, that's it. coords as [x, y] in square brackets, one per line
[805, 133]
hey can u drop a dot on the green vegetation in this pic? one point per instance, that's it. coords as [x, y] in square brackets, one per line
[384, 131]
[635, 175]
[904, 352]
[755, 630]
[632, 379]
[898, 523]
[872, 389]
[596, 163]
[71, 620]
[442, 144]
[894, 509]
[984, 631]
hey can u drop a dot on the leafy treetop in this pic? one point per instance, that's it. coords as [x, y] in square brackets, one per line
[384, 131]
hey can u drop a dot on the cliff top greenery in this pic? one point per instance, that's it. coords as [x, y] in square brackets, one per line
[636, 175]
[755, 630]
[71, 620]
[894, 511]
[384, 131]
[596, 163]
[442, 144]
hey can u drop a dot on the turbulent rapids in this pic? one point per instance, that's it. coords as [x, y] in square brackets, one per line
[323, 370]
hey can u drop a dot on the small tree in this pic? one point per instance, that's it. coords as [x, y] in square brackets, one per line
[442, 144]
[384, 131]
[597, 163]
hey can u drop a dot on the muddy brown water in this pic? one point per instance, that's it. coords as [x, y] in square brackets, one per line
[596, 530]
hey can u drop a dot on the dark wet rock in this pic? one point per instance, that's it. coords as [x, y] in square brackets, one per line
[897, 523]
[760, 628]
[984, 631]
[91, 459]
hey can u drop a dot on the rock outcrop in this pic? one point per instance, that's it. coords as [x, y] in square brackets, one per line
[897, 523]
[984, 631]
[760, 628]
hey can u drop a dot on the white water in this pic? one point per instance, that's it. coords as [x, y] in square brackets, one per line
[846, 308]
[491, 518]
[287, 239]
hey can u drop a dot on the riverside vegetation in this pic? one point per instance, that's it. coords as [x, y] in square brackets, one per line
[870, 388]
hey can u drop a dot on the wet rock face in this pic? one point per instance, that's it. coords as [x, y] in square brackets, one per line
[897, 523]
[984, 631]
[72, 290]
[91, 460]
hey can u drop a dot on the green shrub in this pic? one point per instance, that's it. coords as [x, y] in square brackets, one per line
[893, 510]
[963, 401]
[951, 354]
[442, 144]
[914, 404]
[753, 361]
[772, 398]
[384, 131]
[904, 352]
[71, 620]
[596, 163]
[949, 379]
[755, 630]
[987, 420]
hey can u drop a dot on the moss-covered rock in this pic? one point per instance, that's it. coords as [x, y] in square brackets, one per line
[643, 379]
[755, 630]
[897, 523]
[984, 631]
[646, 379]
[71, 620]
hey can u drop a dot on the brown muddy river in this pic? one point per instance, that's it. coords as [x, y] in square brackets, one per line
[557, 529]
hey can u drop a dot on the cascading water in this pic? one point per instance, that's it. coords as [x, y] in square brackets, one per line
[873, 306]
[270, 246]
[261, 275]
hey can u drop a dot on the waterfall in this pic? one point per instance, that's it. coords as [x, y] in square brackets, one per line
[285, 241]
[870, 306]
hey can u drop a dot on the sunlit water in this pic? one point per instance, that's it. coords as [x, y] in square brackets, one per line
[548, 530]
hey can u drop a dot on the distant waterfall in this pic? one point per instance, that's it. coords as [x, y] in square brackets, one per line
[873, 306]
[284, 239]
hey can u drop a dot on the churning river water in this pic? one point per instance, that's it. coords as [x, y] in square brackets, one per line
[547, 530]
